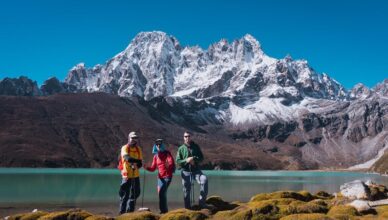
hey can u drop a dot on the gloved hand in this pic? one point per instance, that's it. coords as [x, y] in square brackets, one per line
[190, 160]
[134, 166]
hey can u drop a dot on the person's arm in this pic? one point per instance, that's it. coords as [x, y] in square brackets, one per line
[125, 155]
[152, 168]
[180, 158]
[132, 160]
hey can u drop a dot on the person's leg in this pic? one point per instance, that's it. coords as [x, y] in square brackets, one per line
[137, 187]
[168, 181]
[202, 181]
[162, 190]
[134, 194]
[160, 187]
[162, 195]
[124, 195]
[186, 188]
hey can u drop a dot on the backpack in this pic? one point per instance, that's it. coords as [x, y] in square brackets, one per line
[120, 165]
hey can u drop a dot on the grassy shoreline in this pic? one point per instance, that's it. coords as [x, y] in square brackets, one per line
[283, 205]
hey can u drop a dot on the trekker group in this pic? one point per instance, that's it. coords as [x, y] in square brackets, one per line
[188, 159]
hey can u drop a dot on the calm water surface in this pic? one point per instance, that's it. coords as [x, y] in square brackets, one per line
[69, 186]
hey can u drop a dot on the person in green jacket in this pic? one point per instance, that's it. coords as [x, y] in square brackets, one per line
[188, 158]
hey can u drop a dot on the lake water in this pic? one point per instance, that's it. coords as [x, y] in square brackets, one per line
[75, 186]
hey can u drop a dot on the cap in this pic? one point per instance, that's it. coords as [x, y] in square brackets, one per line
[133, 134]
[159, 140]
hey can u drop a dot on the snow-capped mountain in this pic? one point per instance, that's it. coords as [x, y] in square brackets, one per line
[155, 64]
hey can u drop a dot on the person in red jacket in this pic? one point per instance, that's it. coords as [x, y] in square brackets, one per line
[164, 162]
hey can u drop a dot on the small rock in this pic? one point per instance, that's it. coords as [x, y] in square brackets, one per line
[355, 190]
[35, 210]
[360, 205]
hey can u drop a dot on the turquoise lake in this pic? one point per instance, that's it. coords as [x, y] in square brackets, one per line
[75, 186]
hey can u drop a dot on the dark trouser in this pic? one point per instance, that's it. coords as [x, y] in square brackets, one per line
[129, 192]
[162, 191]
[187, 181]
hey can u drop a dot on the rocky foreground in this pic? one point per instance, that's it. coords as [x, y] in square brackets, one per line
[357, 200]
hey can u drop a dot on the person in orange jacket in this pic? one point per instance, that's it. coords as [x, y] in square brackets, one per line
[130, 161]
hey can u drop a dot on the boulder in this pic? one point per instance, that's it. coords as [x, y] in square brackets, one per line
[355, 190]
[360, 205]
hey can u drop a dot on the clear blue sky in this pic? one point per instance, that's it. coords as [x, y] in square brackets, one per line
[347, 39]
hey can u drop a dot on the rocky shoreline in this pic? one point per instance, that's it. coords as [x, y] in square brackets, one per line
[356, 200]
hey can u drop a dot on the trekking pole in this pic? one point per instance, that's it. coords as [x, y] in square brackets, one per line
[144, 187]
[192, 187]
[133, 182]
[142, 208]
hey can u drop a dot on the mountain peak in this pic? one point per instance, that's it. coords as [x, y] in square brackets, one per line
[22, 86]
[288, 58]
[382, 88]
[360, 91]
[78, 67]
[250, 39]
[154, 38]
[149, 35]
